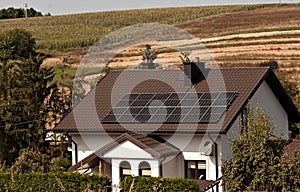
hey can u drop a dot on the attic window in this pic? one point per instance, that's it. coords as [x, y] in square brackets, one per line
[182, 107]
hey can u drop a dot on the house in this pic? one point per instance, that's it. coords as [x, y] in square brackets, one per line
[170, 123]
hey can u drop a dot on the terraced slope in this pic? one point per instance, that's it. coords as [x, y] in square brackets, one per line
[245, 38]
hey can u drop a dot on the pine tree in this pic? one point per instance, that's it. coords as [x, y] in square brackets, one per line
[24, 88]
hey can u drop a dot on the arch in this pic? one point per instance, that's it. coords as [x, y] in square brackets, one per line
[125, 169]
[144, 169]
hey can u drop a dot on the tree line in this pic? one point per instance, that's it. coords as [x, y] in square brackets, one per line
[13, 13]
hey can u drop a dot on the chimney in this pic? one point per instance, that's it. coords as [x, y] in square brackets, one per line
[194, 72]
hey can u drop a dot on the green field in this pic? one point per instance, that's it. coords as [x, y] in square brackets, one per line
[56, 34]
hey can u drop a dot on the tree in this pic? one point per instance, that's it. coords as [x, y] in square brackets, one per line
[258, 163]
[255, 156]
[11, 13]
[24, 88]
[16, 44]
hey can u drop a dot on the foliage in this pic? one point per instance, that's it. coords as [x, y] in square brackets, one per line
[157, 184]
[12, 13]
[272, 64]
[257, 162]
[288, 173]
[30, 161]
[24, 86]
[49, 182]
[59, 164]
[86, 29]
[16, 44]
[59, 103]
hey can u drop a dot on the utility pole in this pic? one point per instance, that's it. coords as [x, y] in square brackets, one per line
[26, 10]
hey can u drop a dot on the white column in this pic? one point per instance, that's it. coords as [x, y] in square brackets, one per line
[134, 167]
[154, 168]
[115, 173]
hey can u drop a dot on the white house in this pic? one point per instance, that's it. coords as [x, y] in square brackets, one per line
[156, 123]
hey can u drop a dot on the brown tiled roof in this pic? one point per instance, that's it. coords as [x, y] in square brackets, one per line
[87, 115]
[292, 148]
[154, 145]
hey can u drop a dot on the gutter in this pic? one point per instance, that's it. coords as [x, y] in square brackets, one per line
[76, 148]
[216, 159]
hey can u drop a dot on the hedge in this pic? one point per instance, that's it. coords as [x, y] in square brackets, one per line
[52, 182]
[157, 184]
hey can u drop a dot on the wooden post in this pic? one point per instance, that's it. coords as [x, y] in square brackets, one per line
[100, 168]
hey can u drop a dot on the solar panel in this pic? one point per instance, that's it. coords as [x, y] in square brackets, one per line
[183, 107]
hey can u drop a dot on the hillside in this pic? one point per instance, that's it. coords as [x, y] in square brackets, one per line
[69, 32]
[235, 35]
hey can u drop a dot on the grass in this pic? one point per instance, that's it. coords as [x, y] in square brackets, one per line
[64, 74]
[69, 32]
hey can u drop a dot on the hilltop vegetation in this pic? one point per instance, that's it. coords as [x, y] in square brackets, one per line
[12, 13]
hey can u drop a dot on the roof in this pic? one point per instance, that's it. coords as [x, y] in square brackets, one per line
[292, 148]
[87, 115]
[154, 145]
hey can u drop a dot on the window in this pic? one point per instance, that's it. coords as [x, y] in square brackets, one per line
[144, 169]
[195, 169]
[125, 169]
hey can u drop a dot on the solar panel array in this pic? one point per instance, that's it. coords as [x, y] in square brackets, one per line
[200, 107]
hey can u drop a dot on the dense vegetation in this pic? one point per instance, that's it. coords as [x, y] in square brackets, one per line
[50, 182]
[258, 162]
[13, 13]
[27, 98]
[153, 184]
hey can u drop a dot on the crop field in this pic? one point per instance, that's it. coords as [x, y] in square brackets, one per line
[68, 32]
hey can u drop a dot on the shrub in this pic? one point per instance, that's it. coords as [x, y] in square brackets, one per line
[50, 182]
[157, 184]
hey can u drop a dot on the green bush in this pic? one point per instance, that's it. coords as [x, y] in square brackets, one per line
[157, 184]
[50, 182]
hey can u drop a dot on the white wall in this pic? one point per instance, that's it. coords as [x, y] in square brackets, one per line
[265, 98]
[226, 140]
[128, 149]
[134, 163]
[194, 144]
[269, 103]
[88, 143]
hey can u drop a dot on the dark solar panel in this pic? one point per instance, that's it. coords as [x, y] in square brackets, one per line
[201, 107]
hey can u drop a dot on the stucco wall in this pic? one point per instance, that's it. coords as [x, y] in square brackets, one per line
[195, 145]
[265, 98]
[269, 103]
[226, 140]
[89, 143]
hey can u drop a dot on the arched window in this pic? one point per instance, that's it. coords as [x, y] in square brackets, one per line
[125, 169]
[144, 169]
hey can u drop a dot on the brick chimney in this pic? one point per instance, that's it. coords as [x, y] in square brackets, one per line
[194, 71]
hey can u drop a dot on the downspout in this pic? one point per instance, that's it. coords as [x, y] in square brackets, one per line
[216, 159]
[160, 166]
[75, 144]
